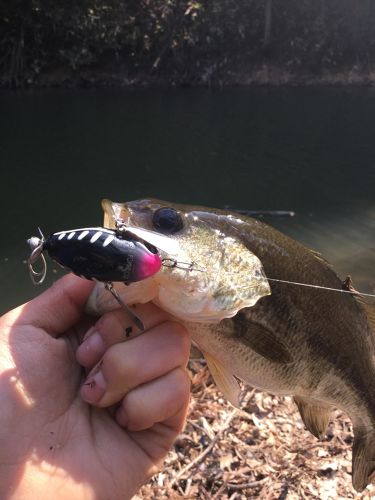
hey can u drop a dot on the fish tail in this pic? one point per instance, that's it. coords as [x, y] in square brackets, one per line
[363, 464]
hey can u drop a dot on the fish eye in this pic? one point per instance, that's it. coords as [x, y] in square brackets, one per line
[167, 220]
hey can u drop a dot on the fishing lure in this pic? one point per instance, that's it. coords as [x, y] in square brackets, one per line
[101, 254]
[126, 254]
[98, 254]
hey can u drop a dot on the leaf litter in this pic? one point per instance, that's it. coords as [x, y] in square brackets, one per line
[259, 451]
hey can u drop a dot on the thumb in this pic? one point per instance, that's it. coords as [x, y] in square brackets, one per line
[56, 309]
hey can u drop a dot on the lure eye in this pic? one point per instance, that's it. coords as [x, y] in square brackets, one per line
[167, 220]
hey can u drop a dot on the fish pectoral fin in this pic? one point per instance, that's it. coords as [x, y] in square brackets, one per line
[363, 461]
[315, 417]
[225, 380]
[264, 342]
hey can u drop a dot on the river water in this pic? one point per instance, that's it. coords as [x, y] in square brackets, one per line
[307, 150]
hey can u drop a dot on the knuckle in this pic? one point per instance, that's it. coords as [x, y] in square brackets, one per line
[133, 404]
[181, 335]
[115, 368]
[138, 412]
[182, 383]
[109, 324]
[155, 403]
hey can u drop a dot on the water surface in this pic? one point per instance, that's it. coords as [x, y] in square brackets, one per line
[307, 150]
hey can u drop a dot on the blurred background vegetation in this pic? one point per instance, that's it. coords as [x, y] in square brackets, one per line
[114, 42]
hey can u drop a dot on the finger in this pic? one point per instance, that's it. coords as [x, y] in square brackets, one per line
[156, 440]
[155, 402]
[56, 309]
[127, 365]
[114, 327]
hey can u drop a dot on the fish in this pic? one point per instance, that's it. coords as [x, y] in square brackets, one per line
[312, 343]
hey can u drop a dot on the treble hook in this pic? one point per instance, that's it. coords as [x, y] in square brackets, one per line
[109, 286]
[36, 245]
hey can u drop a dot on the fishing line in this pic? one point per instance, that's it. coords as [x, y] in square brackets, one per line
[352, 292]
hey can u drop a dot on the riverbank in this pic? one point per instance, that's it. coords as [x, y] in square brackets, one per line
[259, 75]
[185, 42]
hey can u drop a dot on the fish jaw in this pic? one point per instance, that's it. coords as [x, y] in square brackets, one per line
[211, 276]
[184, 297]
[202, 295]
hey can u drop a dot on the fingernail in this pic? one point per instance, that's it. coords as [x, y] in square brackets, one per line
[89, 332]
[94, 387]
[92, 347]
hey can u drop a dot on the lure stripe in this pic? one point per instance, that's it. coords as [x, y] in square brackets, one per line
[108, 240]
[102, 229]
[83, 235]
[96, 236]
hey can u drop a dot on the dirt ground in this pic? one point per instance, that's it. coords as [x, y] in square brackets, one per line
[261, 451]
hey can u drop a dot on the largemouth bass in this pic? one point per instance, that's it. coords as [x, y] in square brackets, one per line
[317, 345]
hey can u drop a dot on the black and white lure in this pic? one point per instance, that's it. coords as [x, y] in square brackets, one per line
[96, 253]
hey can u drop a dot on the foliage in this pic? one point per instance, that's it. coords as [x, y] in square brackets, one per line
[182, 41]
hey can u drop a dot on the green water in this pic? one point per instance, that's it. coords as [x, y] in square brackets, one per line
[307, 150]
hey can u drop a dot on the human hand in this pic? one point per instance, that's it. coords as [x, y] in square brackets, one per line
[55, 445]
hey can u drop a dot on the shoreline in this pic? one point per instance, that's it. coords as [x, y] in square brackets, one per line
[262, 75]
